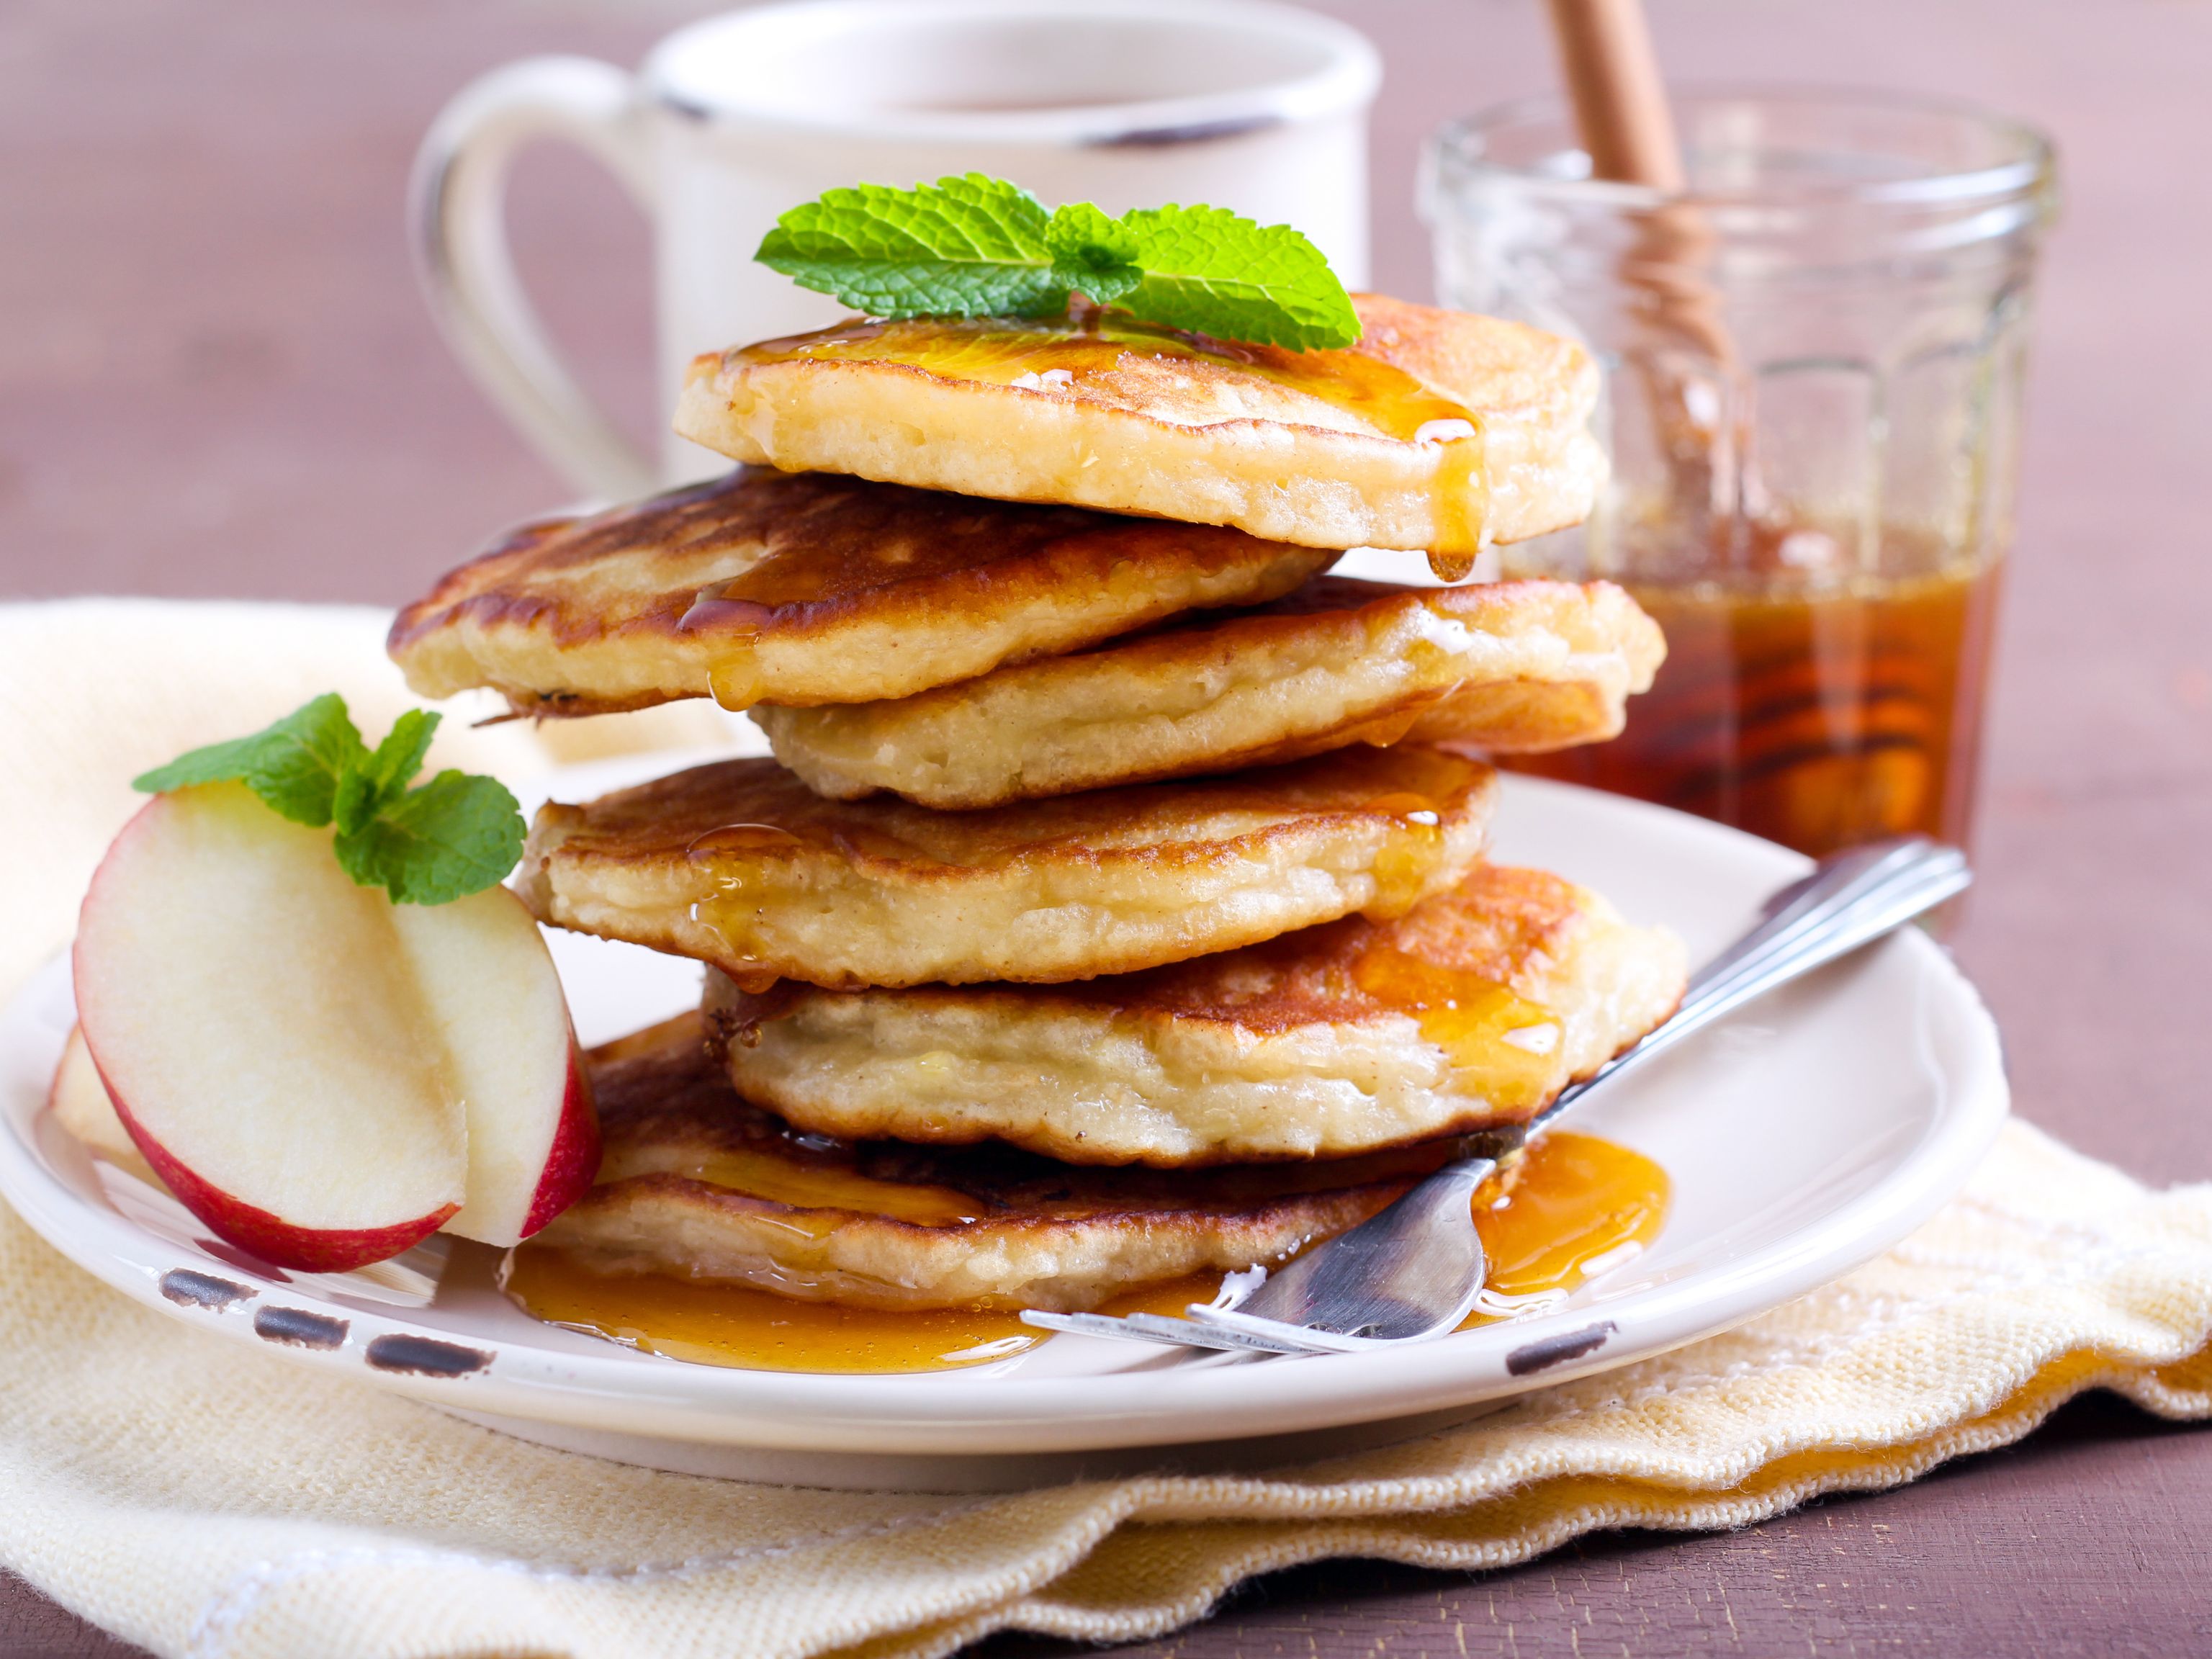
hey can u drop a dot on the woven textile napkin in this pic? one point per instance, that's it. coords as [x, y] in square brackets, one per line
[204, 1500]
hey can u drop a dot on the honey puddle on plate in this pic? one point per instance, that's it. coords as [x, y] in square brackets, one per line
[1578, 1200]
[1583, 1205]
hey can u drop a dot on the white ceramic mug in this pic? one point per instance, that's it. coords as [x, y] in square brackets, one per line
[1243, 104]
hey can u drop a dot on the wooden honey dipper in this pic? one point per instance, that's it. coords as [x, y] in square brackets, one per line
[1627, 130]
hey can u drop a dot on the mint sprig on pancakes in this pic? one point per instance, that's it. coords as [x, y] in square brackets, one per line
[454, 836]
[972, 245]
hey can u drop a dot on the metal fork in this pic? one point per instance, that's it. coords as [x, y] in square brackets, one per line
[1415, 1271]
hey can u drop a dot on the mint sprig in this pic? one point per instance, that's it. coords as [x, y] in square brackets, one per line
[1204, 271]
[970, 246]
[973, 245]
[456, 834]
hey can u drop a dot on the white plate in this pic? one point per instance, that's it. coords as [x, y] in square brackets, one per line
[1802, 1138]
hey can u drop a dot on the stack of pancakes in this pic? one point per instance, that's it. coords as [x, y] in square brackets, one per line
[1114, 907]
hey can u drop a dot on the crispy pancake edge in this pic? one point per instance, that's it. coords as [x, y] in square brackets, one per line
[585, 615]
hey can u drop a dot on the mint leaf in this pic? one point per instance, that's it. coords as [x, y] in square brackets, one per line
[218, 762]
[455, 835]
[968, 245]
[1091, 252]
[1211, 272]
[294, 766]
[973, 247]
[367, 789]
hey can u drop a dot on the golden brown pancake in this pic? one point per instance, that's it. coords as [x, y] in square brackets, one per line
[808, 589]
[740, 865]
[1512, 667]
[1438, 431]
[698, 1184]
[1469, 1013]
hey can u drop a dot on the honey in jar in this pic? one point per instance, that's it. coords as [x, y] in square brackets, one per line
[1818, 713]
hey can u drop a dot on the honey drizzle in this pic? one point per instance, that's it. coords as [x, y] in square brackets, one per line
[1575, 1200]
[736, 620]
[738, 858]
[713, 846]
[732, 911]
[735, 1325]
[816, 1192]
[734, 678]
[1503, 1048]
[1461, 494]
[1020, 353]
[1407, 857]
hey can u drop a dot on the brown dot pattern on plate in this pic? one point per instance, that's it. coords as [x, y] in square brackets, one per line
[298, 1328]
[1557, 1349]
[188, 1288]
[426, 1357]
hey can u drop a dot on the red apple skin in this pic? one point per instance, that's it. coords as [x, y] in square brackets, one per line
[572, 1163]
[280, 1242]
[488, 985]
[275, 1241]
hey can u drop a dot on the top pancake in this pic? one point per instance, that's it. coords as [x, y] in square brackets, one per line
[1439, 431]
[808, 589]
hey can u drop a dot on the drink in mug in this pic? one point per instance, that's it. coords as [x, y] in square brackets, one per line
[1249, 104]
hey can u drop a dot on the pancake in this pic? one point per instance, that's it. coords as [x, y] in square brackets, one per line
[808, 589]
[1467, 1014]
[1512, 667]
[1439, 431]
[740, 864]
[698, 1184]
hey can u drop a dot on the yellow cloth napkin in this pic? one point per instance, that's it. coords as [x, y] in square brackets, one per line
[204, 1500]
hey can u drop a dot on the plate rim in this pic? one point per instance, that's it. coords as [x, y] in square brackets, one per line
[1001, 1413]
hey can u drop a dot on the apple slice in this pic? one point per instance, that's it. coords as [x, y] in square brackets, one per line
[80, 1103]
[262, 1036]
[309, 1064]
[490, 988]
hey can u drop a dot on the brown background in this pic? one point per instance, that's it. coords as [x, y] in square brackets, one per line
[216, 378]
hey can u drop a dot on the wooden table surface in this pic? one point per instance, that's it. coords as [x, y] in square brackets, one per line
[216, 378]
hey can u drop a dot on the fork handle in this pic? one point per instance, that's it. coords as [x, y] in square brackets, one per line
[1849, 900]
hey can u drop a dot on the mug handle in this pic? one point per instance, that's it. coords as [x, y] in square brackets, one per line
[456, 217]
